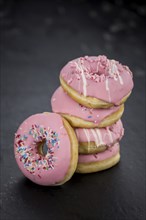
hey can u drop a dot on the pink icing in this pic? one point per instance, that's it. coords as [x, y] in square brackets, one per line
[52, 167]
[101, 136]
[98, 77]
[110, 152]
[62, 103]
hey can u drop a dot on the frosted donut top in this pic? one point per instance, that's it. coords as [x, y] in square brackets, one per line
[43, 169]
[62, 103]
[101, 136]
[98, 77]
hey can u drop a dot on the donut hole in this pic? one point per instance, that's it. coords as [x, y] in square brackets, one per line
[43, 148]
[97, 73]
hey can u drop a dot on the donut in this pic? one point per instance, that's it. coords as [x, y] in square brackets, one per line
[59, 162]
[95, 140]
[96, 82]
[81, 116]
[101, 161]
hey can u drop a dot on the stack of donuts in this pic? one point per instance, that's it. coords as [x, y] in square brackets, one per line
[83, 132]
[91, 98]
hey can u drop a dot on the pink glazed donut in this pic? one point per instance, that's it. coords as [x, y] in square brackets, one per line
[81, 116]
[95, 140]
[101, 161]
[59, 163]
[96, 82]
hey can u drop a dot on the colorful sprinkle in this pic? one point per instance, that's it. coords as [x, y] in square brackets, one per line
[104, 68]
[27, 154]
[95, 155]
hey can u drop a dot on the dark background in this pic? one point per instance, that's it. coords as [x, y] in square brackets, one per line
[37, 39]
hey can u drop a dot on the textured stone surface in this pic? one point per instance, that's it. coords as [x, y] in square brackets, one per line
[37, 39]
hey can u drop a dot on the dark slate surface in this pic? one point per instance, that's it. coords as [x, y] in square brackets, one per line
[38, 38]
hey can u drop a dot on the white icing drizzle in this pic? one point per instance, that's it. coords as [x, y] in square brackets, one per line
[113, 71]
[116, 70]
[99, 135]
[81, 69]
[95, 137]
[107, 89]
[107, 84]
[121, 80]
[87, 135]
[84, 84]
[110, 134]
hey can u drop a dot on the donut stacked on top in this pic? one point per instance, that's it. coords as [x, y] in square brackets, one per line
[91, 97]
